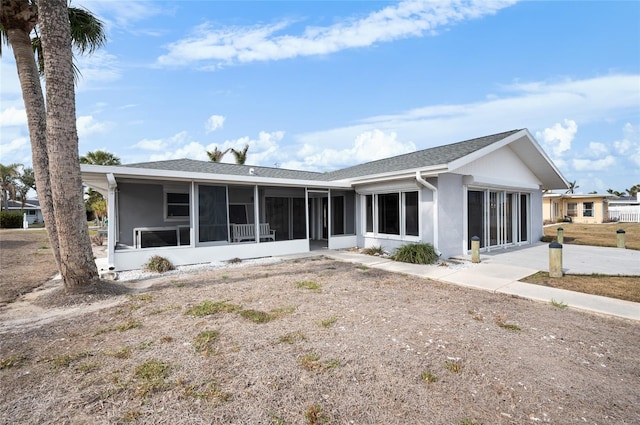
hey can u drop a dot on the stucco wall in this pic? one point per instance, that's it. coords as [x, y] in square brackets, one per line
[141, 205]
[450, 214]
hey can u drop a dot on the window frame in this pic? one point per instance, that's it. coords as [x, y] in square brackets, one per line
[586, 210]
[166, 204]
[373, 214]
[572, 212]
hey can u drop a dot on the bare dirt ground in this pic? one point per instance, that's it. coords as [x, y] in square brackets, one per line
[329, 343]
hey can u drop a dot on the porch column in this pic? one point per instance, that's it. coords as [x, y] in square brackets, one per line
[111, 225]
[256, 212]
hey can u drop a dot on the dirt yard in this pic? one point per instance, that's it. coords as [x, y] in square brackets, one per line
[309, 342]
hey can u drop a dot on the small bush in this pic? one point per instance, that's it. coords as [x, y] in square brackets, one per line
[10, 220]
[158, 264]
[416, 253]
[374, 250]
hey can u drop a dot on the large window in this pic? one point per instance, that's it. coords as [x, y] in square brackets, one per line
[389, 213]
[572, 209]
[587, 209]
[395, 213]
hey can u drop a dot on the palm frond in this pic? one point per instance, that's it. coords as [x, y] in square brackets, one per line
[87, 31]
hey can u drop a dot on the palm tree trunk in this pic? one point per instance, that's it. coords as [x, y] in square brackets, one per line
[77, 266]
[18, 19]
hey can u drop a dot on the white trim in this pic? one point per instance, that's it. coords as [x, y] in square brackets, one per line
[435, 208]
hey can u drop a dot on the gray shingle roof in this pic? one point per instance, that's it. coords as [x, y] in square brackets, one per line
[439, 155]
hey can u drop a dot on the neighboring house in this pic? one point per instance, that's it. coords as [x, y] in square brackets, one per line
[31, 208]
[195, 212]
[576, 208]
[625, 209]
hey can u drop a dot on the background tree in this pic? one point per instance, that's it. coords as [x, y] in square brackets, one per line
[615, 192]
[98, 157]
[633, 190]
[25, 183]
[241, 156]
[99, 207]
[216, 155]
[8, 175]
[572, 187]
[77, 268]
[18, 22]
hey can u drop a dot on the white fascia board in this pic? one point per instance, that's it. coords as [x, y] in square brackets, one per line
[486, 150]
[153, 174]
[498, 183]
[398, 175]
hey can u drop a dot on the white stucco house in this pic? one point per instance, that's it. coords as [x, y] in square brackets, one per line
[31, 208]
[195, 212]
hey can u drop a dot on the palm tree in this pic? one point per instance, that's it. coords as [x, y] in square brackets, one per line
[241, 156]
[572, 187]
[633, 190]
[615, 192]
[18, 22]
[77, 267]
[8, 175]
[25, 183]
[100, 157]
[216, 155]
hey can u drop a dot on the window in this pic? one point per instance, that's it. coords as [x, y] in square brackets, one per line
[587, 209]
[369, 212]
[396, 213]
[177, 205]
[572, 209]
[31, 212]
[212, 214]
[411, 213]
[389, 213]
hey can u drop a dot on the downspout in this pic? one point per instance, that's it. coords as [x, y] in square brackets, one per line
[111, 226]
[434, 189]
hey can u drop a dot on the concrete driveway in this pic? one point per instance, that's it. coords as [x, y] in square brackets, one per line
[576, 259]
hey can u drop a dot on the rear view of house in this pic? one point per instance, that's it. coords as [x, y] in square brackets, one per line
[194, 211]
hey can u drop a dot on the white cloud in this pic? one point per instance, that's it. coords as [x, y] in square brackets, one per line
[263, 150]
[558, 138]
[98, 67]
[87, 125]
[591, 100]
[368, 146]
[213, 47]
[192, 150]
[214, 122]
[13, 116]
[177, 139]
[594, 165]
[597, 149]
[13, 146]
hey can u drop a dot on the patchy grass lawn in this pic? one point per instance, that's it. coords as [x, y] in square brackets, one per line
[620, 287]
[595, 234]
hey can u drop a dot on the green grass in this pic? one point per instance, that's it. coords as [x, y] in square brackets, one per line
[204, 342]
[207, 308]
[559, 304]
[15, 360]
[328, 322]
[453, 366]
[257, 316]
[150, 376]
[312, 286]
[292, 338]
[65, 360]
[429, 377]
[508, 326]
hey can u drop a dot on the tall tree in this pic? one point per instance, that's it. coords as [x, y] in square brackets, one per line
[572, 187]
[77, 268]
[241, 156]
[8, 176]
[25, 183]
[100, 157]
[216, 155]
[633, 190]
[18, 20]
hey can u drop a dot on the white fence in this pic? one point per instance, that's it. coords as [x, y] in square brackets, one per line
[626, 214]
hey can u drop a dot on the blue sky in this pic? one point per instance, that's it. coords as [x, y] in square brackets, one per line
[323, 85]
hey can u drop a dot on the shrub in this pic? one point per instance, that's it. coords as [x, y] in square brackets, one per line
[10, 220]
[416, 253]
[374, 250]
[158, 264]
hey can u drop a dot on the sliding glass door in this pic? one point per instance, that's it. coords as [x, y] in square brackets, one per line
[498, 218]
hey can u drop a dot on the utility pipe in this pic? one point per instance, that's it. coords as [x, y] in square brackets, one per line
[434, 189]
